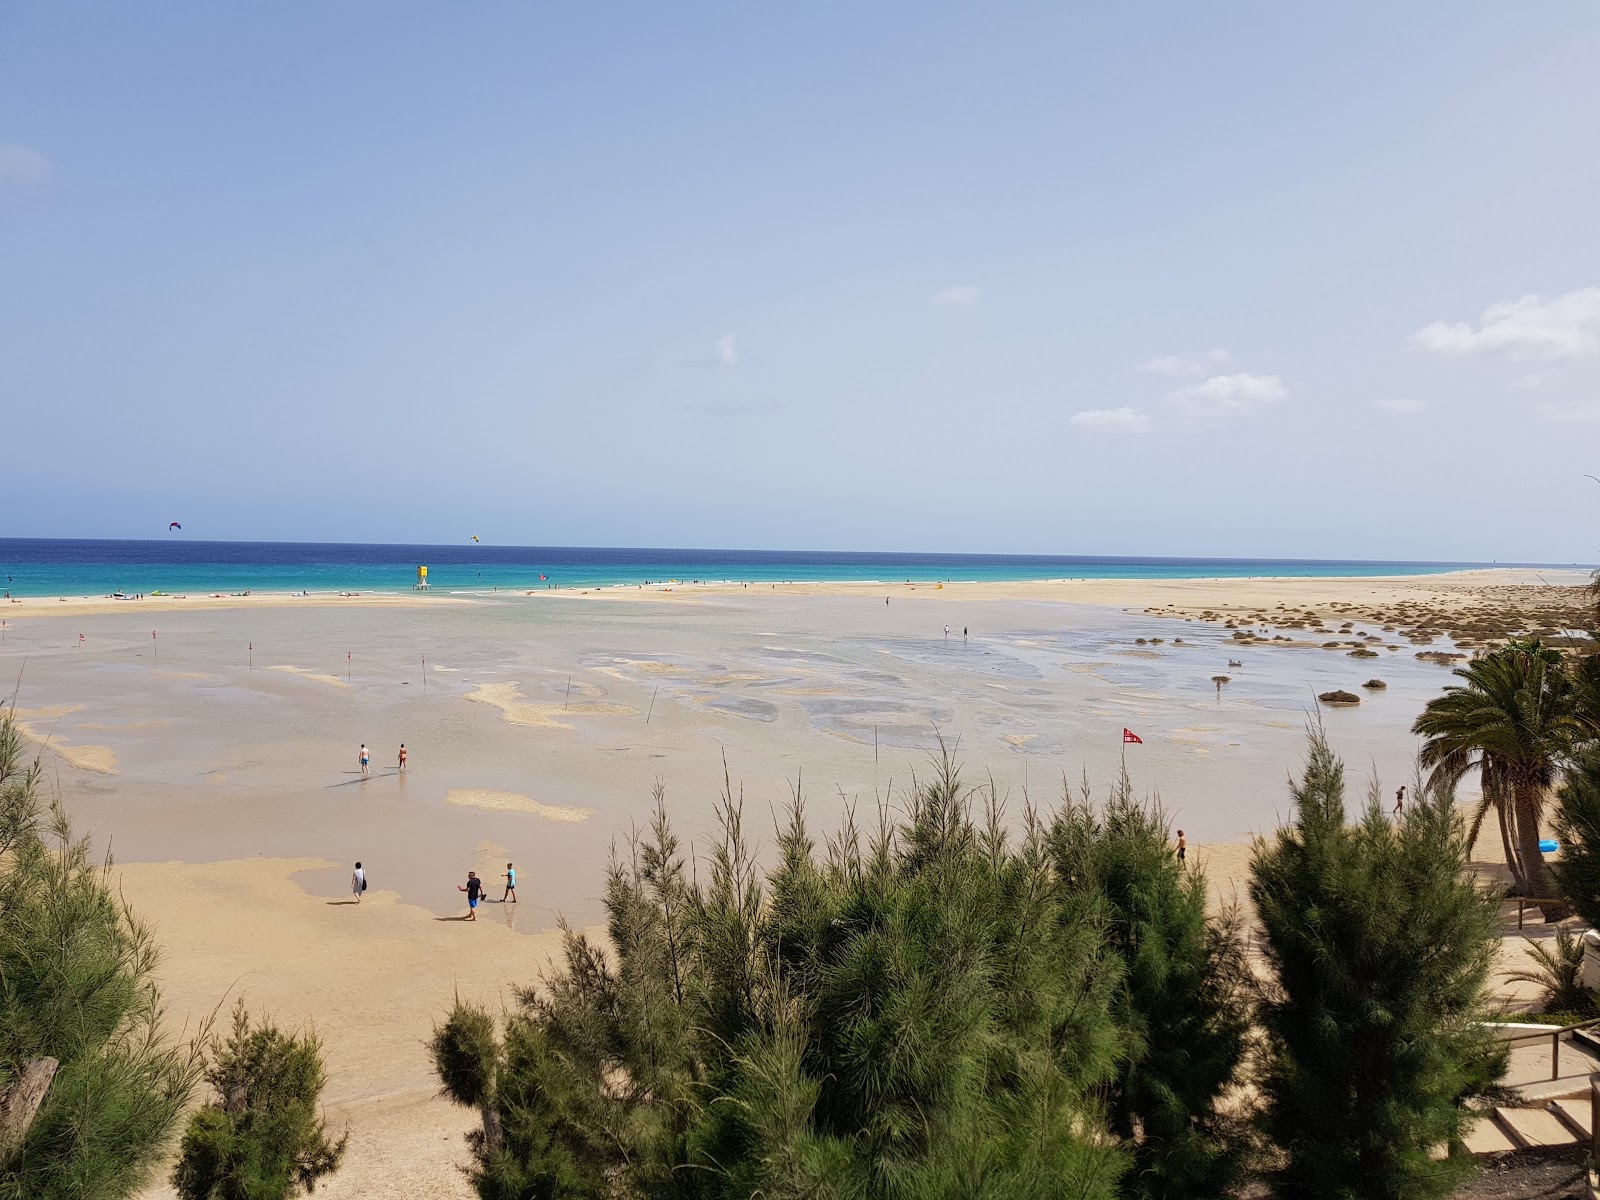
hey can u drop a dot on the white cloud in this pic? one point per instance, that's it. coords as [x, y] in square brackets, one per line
[1111, 420]
[1528, 329]
[22, 165]
[962, 295]
[1569, 411]
[1221, 395]
[1400, 407]
[1187, 366]
[726, 353]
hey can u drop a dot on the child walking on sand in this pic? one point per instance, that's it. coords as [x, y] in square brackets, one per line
[511, 885]
[473, 890]
[358, 882]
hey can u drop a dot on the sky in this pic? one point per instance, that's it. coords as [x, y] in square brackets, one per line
[1245, 279]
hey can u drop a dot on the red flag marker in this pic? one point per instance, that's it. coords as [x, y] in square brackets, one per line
[1129, 735]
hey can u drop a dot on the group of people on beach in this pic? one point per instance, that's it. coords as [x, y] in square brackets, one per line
[473, 887]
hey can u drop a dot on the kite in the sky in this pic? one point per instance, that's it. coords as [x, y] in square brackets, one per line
[173, 526]
[474, 537]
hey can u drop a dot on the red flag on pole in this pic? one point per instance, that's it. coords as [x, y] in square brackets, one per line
[1129, 735]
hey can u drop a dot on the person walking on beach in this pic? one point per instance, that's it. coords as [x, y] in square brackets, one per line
[947, 631]
[1183, 848]
[1400, 801]
[511, 885]
[474, 889]
[366, 759]
[358, 882]
[402, 756]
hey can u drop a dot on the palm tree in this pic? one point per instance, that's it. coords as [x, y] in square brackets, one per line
[1513, 720]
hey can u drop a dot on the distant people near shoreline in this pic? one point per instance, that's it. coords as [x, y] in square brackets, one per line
[403, 756]
[358, 882]
[366, 759]
[511, 885]
[1183, 848]
[1400, 801]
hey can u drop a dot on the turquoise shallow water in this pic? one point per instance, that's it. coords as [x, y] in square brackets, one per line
[43, 567]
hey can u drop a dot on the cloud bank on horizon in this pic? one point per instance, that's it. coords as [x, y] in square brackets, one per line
[1222, 282]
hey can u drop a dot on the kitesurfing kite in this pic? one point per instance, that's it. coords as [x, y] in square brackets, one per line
[474, 537]
[173, 526]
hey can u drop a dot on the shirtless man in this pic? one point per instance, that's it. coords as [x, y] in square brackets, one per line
[1183, 847]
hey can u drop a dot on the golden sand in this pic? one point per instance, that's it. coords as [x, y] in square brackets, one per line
[102, 760]
[517, 709]
[304, 673]
[494, 801]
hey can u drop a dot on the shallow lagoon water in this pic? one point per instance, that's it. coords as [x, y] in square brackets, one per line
[598, 701]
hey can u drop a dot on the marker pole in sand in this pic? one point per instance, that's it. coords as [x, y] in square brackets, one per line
[569, 692]
[349, 665]
[424, 674]
[251, 647]
[652, 707]
[155, 645]
[874, 745]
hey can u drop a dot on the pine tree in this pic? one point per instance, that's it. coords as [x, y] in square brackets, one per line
[1380, 946]
[1183, 1004]
[261, 1138]
[918, 1012]
[80, 1015]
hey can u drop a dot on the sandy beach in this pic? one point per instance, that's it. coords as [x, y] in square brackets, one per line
[218, 758]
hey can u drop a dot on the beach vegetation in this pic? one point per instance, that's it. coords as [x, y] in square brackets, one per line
[1556, 965]
[915, 1008]
[260, 1137]
[1577, 828]
[91, 1086]
[1513, 720]
[1183, 1001]
[1379, 945]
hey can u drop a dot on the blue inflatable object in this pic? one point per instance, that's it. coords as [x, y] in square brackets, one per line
[1549, 846]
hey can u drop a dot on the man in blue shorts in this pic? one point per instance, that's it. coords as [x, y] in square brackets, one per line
[473, 890]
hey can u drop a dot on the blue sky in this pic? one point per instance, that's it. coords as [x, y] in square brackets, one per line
[1220, 279]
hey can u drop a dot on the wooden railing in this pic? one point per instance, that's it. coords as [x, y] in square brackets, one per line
[1525, 902]
[1556, 1036]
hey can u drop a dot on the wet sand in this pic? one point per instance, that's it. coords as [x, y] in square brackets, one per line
[219, 759]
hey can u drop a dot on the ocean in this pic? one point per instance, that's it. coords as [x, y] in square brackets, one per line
[49, 567]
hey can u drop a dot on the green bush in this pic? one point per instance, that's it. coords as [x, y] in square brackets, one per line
[919, 1011]
[1577, 828]
[77, 986]
[261, 1138]
[1183, 1005]
[1380, 946]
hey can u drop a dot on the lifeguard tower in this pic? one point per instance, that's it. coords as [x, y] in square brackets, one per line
[422, 580]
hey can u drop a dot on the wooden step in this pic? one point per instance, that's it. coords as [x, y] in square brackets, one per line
[1531, 1128]
[1486, 1137]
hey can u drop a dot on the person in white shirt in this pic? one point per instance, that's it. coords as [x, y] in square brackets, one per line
[358, 882]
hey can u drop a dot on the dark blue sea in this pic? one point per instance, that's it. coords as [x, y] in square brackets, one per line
[46, 567]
